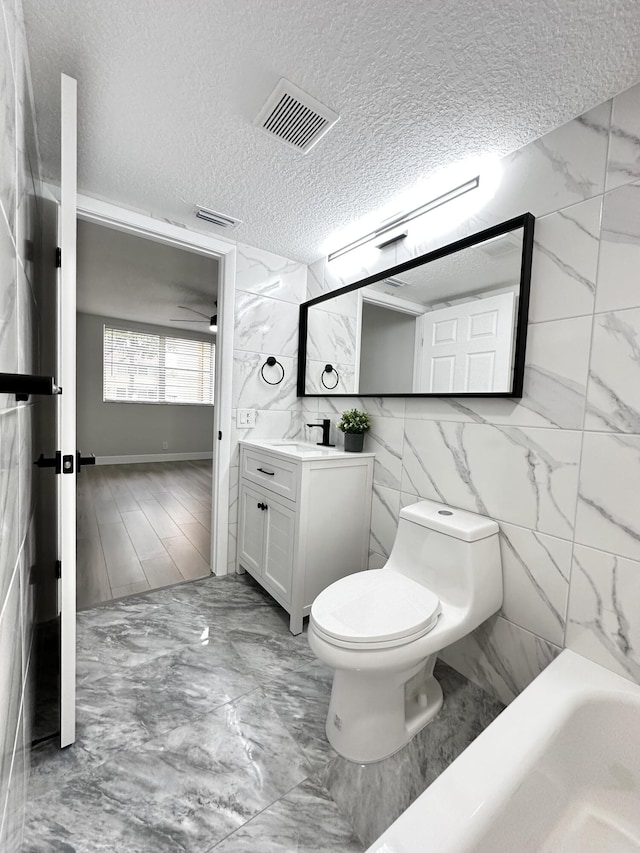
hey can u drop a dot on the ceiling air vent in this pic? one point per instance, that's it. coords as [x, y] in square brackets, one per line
[295, 117]
[394, 282]
[215, 218]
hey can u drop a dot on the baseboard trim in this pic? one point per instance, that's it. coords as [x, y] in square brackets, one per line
[154, 457]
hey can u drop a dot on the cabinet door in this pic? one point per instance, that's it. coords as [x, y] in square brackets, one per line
[278, 561]
[251, 529]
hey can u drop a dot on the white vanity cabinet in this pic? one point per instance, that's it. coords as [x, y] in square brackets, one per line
[303, 519]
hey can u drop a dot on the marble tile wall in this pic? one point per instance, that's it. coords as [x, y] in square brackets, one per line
[560, 468]
[269, 290]
[19, 174]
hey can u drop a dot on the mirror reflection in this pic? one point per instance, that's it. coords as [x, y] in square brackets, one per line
[446, 326]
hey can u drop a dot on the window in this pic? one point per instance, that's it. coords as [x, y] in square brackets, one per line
[145, 368]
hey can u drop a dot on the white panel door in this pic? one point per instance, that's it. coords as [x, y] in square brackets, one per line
[468, 348]
[251, 530]
[278, 556]
[66, 416]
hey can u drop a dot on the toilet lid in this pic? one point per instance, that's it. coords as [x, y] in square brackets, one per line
[375, 606]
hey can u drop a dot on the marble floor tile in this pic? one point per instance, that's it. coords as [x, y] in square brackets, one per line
[306, 820]
[218, 743]
[301, 699]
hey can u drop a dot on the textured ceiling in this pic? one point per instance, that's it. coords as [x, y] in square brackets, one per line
[168, 92]
[128, 277]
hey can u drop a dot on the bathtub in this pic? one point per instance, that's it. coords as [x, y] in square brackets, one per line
[557, 772]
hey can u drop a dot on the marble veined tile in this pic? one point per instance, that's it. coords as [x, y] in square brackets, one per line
[10, 683]
[617, 285]
[134, 632]
[267, 652]
[343, 375]
[183, 792]
[555, 381]
[613, 398]
[385, 508]
[385, 440]
[535, 572]
[315, 279]
[608, 516]
[9, 489]
[372, 796]
[623, 165]
[500, 657]
[267, 326]
[301, 700]
[524, 476]
[564, 167]
[306, 819]
[8, 148]
[346, 305]
[264, 273]
[603, 620]
[382, 407]
[270, 423]
[8, 311]
[565, 259]
[331, 337]
[252, 391]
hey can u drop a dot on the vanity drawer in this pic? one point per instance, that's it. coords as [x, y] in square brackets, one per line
[279, 475]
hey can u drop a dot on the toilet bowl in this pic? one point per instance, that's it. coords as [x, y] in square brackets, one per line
[381, 630]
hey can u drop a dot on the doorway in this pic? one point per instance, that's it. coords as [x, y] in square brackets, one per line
[201, 483]
[146, 345]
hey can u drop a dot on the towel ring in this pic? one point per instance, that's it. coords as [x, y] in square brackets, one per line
[271, 362]
[329, 368]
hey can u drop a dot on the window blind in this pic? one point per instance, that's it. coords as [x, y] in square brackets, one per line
[148, 368]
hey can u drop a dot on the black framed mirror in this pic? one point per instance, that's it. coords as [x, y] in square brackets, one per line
[450, 323]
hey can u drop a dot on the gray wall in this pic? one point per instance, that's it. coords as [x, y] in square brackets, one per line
[387, 350]
[126, 429]
[559, 469]
[19, 242]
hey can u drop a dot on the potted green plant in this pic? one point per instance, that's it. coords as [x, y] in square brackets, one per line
[353, 424]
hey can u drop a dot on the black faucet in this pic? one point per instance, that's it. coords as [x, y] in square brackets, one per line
[325, 426]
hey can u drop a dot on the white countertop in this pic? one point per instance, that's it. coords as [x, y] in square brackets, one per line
[299, 449]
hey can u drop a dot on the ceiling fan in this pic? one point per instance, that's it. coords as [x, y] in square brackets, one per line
[212, 319]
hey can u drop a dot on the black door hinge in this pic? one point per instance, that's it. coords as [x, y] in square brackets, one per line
[58, 569]
[58, 257]
[219, 435]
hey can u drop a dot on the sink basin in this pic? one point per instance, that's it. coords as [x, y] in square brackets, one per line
[557, 772]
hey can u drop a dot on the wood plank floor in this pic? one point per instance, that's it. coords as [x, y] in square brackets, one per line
[141, 527]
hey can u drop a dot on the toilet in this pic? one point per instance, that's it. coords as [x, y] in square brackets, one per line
[380, 630]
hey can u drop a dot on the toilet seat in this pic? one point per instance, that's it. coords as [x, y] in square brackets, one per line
[374, 609]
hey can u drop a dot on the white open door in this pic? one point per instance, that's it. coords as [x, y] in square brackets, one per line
[468, 347]
[66, 415]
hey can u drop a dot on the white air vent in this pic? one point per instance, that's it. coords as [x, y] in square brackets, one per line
[295, 117]
[394, 282]
[219, 219]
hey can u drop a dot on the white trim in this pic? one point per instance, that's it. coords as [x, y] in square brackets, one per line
[394, 303]
[158, 230]
[222, 407]
[66, 367]
[154, 457]
[131, 222]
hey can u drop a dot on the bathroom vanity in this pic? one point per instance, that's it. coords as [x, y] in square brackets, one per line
[303, 519]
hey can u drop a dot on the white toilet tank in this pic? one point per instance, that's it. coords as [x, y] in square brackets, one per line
[455, 553]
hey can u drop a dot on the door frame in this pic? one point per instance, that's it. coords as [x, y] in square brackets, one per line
[141, 225]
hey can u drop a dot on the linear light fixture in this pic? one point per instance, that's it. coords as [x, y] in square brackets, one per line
[403, 218]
